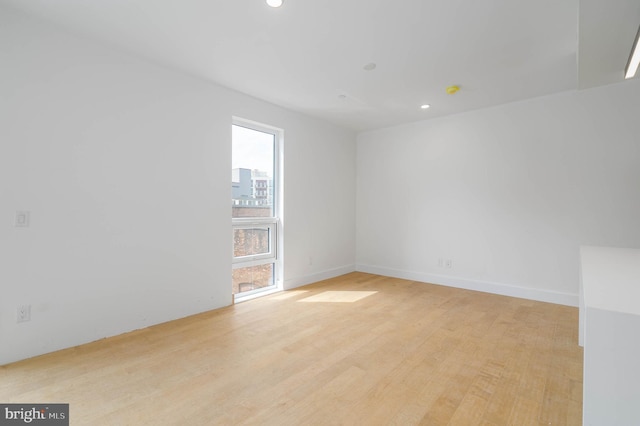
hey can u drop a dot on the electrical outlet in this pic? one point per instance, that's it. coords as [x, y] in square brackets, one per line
[440, 263]
[24, 313]
[449, 263]
[22, 219]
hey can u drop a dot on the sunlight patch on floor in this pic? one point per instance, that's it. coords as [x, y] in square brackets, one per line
[338, 296]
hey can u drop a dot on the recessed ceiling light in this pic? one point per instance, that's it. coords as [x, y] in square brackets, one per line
[274, 3]
[369, 67]
[425, 106]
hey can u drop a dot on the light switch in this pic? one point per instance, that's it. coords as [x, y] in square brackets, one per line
[22, 219]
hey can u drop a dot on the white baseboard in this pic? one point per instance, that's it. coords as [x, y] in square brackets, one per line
[318, 276]
[559, 298]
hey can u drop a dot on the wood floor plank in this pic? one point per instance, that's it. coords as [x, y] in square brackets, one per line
[403, 353]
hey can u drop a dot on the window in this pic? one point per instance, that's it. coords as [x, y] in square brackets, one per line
[255, 208]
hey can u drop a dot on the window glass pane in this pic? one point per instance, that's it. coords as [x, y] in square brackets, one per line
[251, 241]
[252, 278]
[252, 173]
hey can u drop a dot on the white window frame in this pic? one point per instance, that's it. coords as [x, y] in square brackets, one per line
[274, 222]
[271, 223]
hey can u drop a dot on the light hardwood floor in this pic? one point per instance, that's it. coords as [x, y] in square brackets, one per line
[405, 353]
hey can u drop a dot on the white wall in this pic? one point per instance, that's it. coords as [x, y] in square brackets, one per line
[508, 193]
[609, 324]
[125, 167]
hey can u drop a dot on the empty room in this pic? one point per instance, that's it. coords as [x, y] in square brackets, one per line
[314, 213]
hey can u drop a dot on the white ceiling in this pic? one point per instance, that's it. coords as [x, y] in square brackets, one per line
[309, 55]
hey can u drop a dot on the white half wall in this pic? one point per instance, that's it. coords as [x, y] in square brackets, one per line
[125, 167]
[507, 193]
[609, 324]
